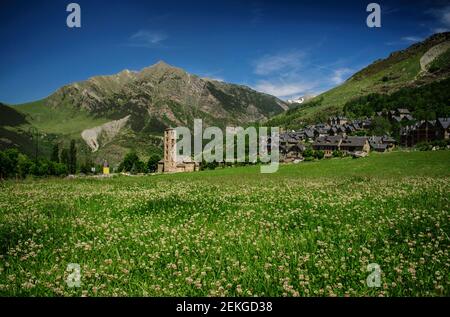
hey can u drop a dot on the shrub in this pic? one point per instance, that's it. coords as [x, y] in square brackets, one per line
[319, 154]
[424, 146]
[138, 167]
[338, 153]
[44, 169]
[128, 162]
[8, 163]
[60, 169]
[152, 163]
[24, 165]
[308, 153]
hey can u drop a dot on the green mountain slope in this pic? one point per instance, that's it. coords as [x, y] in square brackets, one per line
[418, 65]
[16, 131]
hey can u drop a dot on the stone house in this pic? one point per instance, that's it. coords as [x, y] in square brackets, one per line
[348, 144]
[328, 144]
[443, 128]
[290, 153]
[382, 143]
[425, 131]
[355, 144]
[339, 120]
[422, 131]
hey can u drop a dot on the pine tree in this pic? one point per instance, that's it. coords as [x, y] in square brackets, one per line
[65, 157]
[55, 153]
[72, 157]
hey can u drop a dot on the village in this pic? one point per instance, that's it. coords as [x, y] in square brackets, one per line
[342, 136]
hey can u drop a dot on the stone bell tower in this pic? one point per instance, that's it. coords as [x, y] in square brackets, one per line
[170, 159]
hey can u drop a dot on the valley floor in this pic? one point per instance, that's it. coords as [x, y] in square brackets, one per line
[310, 229]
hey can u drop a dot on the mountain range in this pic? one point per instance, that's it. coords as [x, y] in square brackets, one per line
[110, 115]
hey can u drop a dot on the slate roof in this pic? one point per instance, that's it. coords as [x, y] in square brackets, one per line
[354, 141]
[322, 130]
[378, 146]
[309, 133]
[349, 128]
[340, 128]
[328, 140]
[409, 117]
[297, 147]
[333, 130]
[356, 125]
[403, 111]
[444, 122]
[423, 122]
[375, 139]
[388, 139]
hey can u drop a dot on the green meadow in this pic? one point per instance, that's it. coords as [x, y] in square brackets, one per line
[310, 229]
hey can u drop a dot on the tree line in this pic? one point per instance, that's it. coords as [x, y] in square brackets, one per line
[61, 163]
[133, 164]
[426, 102]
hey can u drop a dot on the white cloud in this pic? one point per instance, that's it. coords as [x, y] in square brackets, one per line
[406, 40]
[209, 75]
[441, 30]
[147, 38]
[412, 39]
[214, 78]
[275, 63]
[442, 15]
[290, 75]
[340, 74]
[282, 89]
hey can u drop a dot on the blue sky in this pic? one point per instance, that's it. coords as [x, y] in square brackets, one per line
[285, 48]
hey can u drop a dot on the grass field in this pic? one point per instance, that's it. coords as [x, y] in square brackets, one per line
[309, 230]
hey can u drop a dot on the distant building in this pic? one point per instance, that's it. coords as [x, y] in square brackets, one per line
[355, 144]
[422, 131]
[327, 144]
[339, 120]
[443, 128]
[290, 153]
[172, 162]
[382, 143]
[425, 131]
[349, 144]
[400, 115]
